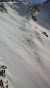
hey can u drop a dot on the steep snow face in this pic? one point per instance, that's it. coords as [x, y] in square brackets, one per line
[44, 15]
[24, 48]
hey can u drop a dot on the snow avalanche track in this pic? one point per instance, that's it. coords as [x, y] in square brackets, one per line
[24, 49]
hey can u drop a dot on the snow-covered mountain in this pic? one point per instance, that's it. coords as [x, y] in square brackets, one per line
[43, 16]
[24, 48]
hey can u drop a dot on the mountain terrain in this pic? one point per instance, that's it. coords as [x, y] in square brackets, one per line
[25, 44]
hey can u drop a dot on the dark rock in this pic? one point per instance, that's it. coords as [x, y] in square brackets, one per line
[33, 17]
[33, 8]
[44, 33]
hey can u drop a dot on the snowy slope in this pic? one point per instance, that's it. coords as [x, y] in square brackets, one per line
[43, 16]
[24, 49]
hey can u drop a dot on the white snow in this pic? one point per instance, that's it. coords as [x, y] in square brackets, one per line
[24, 49]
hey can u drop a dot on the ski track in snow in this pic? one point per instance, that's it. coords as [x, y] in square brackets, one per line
[24, 50]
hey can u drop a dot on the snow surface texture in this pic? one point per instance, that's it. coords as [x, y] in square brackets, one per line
[24, 48]
[43, 16]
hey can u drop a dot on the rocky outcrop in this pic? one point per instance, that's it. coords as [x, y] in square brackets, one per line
[33, 8]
